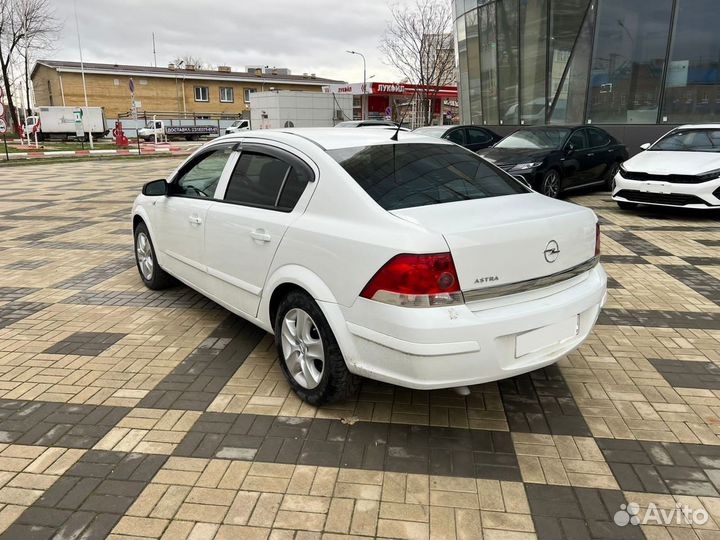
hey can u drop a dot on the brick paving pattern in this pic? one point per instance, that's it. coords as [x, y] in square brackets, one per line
[129, 413]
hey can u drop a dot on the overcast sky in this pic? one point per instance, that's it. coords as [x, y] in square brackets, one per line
[304, 35]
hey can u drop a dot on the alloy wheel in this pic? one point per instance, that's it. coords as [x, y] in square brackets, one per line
[144, 256]
[302, 348]
[551, 184]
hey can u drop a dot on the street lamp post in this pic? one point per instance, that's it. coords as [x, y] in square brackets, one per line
[364, 102]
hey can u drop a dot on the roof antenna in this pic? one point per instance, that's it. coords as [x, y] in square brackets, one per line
[402, 119]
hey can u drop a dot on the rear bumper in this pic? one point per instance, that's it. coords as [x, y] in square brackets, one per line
[468, 344]
[702, 196]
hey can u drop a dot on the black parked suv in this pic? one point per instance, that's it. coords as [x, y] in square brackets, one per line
[555, 159]
[471, 137]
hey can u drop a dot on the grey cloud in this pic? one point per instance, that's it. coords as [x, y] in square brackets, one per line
[306, 36]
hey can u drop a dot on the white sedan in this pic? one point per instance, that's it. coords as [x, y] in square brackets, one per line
[413, 262]
[681, 169]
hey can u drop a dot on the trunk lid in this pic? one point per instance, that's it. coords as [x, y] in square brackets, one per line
[502, 240]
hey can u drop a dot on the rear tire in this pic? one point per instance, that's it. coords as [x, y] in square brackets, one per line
[627, 205]
[153, 276]
[550, 184]
[308, 352]
[610, 180]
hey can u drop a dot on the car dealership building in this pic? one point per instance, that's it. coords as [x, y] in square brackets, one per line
[635, 67]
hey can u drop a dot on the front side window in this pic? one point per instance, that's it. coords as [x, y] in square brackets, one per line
[265, 181]
[456, 136]
[538, 139]
[407, 175]
[227, 95]
[578, 140]
[202, 93]
[200, 178]
[477, 136]
[694, 140]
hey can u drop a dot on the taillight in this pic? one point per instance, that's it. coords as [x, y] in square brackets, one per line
[416, 281]
[597, 239]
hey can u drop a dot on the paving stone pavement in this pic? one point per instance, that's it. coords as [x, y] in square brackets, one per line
[129, 413]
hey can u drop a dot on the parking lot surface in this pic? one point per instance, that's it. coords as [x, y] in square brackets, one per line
[132, 413]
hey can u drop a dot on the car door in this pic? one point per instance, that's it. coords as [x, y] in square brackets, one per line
[245, 229]
[575, 159]
[601, 156]
[477, 139]
[179, 218]
[456, 135]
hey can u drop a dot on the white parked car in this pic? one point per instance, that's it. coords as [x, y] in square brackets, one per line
[682, 168]
[412, 262]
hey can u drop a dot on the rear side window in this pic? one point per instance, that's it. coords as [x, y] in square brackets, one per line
[598, 138]
[406, 175]
[265, 181]
[477, 136]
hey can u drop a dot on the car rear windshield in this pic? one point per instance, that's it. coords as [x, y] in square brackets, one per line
[406, 175]
[693, 140]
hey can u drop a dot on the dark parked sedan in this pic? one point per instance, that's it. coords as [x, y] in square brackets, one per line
[471, 137]
[557, 159]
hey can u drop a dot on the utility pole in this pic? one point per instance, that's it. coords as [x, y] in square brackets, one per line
[364, 103]
[154, 53]
[82, 69]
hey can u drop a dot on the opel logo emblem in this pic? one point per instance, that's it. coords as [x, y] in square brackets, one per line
[552, 251]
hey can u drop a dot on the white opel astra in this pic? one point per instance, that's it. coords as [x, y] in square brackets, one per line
[681, 169]
[413, 262]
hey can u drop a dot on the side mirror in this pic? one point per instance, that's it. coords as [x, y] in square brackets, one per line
[522, 180]
[645, 146]
[156, 188]
[569, 149]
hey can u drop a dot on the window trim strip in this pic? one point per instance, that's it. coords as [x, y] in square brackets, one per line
[530, 284]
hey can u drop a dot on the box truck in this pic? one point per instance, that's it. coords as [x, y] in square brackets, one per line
[59, 123]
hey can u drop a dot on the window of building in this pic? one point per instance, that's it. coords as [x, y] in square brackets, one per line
[488, 64]
[473, 62]
[569, 101]
[533, 61]
[247, 93]
[463, 89]
[227, 95]
[508, 61]
[202, 93]
[692, 81]
[628, 61]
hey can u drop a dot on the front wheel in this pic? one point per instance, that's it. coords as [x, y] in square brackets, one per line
[309, 353]
[153, 276]
[627, 205]
[550, 185]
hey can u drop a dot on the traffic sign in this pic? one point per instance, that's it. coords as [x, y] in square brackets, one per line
[131, 86]
[3, 126]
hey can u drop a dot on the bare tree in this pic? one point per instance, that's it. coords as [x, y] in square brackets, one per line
[418, 43]
[190, 60]
[22, 24]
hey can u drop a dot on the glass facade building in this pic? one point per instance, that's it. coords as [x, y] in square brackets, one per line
[608, 62]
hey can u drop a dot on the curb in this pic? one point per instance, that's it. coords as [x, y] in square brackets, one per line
[174, 150]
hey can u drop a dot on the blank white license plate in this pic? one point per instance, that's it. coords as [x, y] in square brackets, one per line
[546, 336]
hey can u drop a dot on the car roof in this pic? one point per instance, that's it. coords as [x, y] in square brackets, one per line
[332, 139]
[698, 126]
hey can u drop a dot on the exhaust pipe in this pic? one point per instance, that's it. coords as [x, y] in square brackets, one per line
[462, 390]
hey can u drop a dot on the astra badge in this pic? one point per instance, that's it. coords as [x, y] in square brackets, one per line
[486, 279]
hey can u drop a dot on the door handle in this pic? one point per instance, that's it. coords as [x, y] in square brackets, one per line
[591, 154]
[260, 235]
[195, 220]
